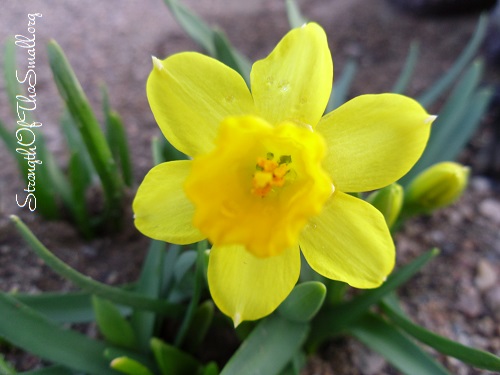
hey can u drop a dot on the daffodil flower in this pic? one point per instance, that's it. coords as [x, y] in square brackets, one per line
[269, 174]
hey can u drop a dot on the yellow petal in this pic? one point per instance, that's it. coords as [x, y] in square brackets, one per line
[161, 209]
[373, 140]
[349, 241]
[294, 82]
[190, 94]
[246, 287]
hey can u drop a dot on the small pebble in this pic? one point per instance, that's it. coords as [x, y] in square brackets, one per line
[480, 184]
[470, 302]
[370, 362]
[486, 275]
[490, 208]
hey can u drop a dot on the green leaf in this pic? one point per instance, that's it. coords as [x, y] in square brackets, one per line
[113, 326]
[169, 267]
[295, 17]
[296, 365]
[268, 349]
[168, 152]
[211, 40]
[92, 135]
[341, 86]
[227, 54]
[74, 307]
[49, 341]
[195, 298]
[474, 357]
[447, 135]
[335, 319]
[435, 91]
[200, 324]
[186, 260]
[157, 151]
[304, 302]
[9, 140]
[476, 105]
[397, 348]
[407, 72]
[114, 294]
[173, 361]
[75, 145]
[149, 285]
[193, 25]
[117, 139]
[119, 145]
[129, 366]
[81, 173]
[78, 205]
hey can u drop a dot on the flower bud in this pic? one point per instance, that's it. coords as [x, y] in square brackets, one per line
[436, 187]
[388, 201]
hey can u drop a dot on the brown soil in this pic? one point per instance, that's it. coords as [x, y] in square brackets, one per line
[457, 295]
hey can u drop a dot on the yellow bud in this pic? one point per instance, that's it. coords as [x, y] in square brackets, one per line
[388, 201]
[436, 187]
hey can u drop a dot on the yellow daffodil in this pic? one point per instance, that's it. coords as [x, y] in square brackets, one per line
[269, 174]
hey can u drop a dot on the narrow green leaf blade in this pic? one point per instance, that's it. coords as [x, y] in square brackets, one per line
[10, 143]
[75, 145]
[75, 307]
[476, 108]
[336, 319]
[47, 340]
[149, 285]
[200, 324]
[195, 298]
[92, 135]
[407, 72]
[341, 86]
[78, 206]
[474, 357]
[449, 123]
[12, 85]
[397, 348]
[227, 54]
[117, 138]
[435, 91]
[173, 361]
[295, 17]
[114, 294]
[206, 37]
[193, 25]
[304, 302]
[268, 349]
[122, 151]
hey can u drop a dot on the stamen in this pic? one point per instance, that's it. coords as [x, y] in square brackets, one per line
[270, 174]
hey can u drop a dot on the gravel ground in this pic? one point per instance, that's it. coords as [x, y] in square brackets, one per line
[457, 295]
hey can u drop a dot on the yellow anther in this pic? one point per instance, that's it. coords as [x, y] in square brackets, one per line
[266, 164]
[270, 175]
